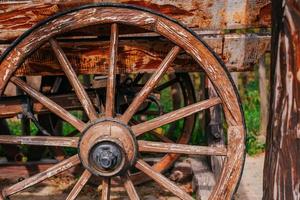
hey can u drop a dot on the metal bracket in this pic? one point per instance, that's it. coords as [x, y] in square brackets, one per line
[28, 113]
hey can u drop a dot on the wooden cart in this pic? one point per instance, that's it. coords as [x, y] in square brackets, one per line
[115, 63]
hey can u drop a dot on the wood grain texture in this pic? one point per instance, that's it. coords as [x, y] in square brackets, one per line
[111, 79]
[231, 170]
[106, 184]
[12, 106]
[264, 95]
[168, 159]
[174, 116]
[79, 185]
[129, 187]
[19, 16]
[239, 52]
[175, 34]
[74, 20]
[40, 140]
[13, 170]
[159, 147]
[56, 169]
[150, 85]
[204, 58]
[282, 163]
[52, 106]
[214, 131]
[163, 181]
[74, 80]
[156, 134]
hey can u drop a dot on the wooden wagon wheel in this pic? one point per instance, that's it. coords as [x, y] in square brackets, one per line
[177, 90]
[108, 146]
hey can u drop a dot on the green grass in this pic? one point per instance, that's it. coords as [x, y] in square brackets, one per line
[251, 106]
[16, 128]
[198, 136]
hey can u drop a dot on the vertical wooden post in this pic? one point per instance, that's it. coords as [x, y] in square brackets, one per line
[202, 96]
[264, 96]
[282, 164]
[215, 134]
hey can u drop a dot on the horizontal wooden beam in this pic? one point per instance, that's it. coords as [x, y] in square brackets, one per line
[12, 106]
[239, 52]
[18, 16]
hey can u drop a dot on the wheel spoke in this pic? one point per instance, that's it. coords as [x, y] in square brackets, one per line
[161, 180]
[48, 103]
[174, 116]
[160, 147]
[129, 187]
[111, 80]
[105, 189]
[160, 136]
[151, 112]
[79, 185]
[78, 87]
[149, 86]
[154, 133]
[40, 140]
[52, 171]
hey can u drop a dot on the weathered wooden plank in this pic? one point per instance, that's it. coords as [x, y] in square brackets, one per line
[40, 140]
[282, 163]
[239, 52]
[12, 106]
[243, 51]
[18, 16]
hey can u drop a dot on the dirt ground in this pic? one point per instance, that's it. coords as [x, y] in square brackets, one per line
[51, 190]
[252, 180]
[57, 188]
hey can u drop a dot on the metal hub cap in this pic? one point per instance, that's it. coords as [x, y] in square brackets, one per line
[106, 155]
[107, 148]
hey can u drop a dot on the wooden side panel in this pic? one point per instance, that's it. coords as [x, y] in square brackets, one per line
[239, 52]
[18, 16]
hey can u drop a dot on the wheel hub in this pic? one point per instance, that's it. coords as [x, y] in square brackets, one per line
[106, 155]
[107, 148]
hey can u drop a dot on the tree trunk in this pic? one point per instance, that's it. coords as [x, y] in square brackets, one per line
[282, 164]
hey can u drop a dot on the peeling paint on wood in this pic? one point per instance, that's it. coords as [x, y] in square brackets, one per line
[239, 53]
[282, 163]
[17, 17]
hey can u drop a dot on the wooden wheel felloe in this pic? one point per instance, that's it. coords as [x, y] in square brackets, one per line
[108, 146]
